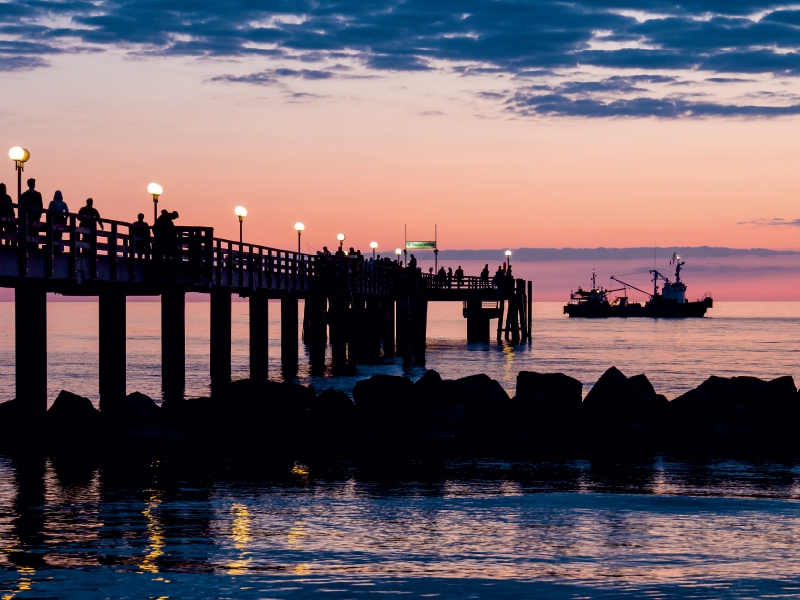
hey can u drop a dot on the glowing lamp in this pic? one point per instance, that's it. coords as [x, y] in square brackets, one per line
[340, 237]
[299, 227]
[19, 155]
[155, 190]
[240, 211]
[373, 245]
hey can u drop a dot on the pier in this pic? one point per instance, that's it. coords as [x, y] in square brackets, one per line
[368, 310]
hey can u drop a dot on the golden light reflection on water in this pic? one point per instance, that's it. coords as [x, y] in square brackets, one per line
[242, 537]
[24, 584]
[155, 535]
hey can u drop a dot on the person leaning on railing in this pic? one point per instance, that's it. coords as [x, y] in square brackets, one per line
[7, 226]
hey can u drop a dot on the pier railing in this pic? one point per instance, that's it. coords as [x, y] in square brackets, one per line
[68, 246]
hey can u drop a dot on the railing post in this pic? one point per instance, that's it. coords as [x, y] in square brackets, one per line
[22, 241]
[241, 264]
[229, 264]
[93, 251]
[111, 253]
[218, 262]
[73, 248]
[260, 267]
[132, 253]
[269, 269]
[48, 245]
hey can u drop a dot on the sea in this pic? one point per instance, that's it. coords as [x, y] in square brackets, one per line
[657, 526]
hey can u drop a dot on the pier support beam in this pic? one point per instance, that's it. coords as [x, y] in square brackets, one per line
[387, 328]
[337, 319]
[289, 339]
[30, 319]
[112, 338]
[173, 343]
[259, 336]
[315, 329]
[220, 336]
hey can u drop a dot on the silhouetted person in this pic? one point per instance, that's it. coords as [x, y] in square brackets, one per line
[89, 220]
[325, 251]
[412, 263]
[498, 277]
[449, 277]
[164, 232]
[59, 209]
[8, 227]
[484, 273]
[32, 199]
[441, 276]
[141, 236]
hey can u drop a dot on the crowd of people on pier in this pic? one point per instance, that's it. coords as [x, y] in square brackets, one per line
[159, 241]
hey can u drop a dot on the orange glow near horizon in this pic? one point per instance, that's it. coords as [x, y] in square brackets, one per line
[372, 163]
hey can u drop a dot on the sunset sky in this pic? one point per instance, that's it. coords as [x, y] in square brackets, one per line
[508, 124]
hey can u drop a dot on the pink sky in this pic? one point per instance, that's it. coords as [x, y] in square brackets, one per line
[368, 156]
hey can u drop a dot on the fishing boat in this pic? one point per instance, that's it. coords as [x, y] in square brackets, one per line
[670, 301]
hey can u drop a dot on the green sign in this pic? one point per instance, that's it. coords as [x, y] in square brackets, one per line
[420, 245]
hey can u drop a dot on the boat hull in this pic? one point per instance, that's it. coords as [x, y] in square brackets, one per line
[663, 309]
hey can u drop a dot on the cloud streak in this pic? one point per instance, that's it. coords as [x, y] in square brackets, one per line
[729, 42]
[777, 221]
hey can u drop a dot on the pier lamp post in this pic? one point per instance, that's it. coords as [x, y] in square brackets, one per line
[155, 190]
[398, 252]
[299, 227]
[341, 237]
[508, 258]
[374, 246]
[241, 212]
[20, 157]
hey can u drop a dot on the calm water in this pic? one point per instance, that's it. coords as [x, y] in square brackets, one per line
[481, 530]
[573, 529]
[740, 338]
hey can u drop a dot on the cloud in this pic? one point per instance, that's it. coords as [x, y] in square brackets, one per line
[531, 41]
[771, 222]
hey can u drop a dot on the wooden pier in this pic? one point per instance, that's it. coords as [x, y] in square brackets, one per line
[366, 309]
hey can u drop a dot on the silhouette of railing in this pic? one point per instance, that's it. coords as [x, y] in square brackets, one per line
[68, 246]
[471, 282]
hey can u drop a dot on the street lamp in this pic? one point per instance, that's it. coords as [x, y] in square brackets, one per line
[155, 190]
[341, 238]
[299, 227]
[241, 212]
[398, 252]
[374, 246]
[508, 258]
[19, 156]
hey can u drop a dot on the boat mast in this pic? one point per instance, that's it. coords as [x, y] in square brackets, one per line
[594, 278]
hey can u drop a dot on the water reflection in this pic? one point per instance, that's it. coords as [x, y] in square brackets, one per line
[155, 533]
[655, 526]
[240, 532]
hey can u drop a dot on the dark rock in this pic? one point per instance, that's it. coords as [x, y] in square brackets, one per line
[744, 411]
[143, 407]
[545, 411]
[552, 393]
[428, 390]
[643, 383]
[617, 413]
[73, 417]
[386, 402]
[332, 421]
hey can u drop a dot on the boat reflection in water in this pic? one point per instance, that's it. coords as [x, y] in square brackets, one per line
[671, 302]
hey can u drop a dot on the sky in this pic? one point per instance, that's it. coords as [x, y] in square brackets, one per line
[504, 123]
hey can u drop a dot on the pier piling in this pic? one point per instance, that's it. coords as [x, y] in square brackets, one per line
[112, 311]
[30, 319]
[220, 336]
[289, 340]
[173, 342]
[259, 336]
